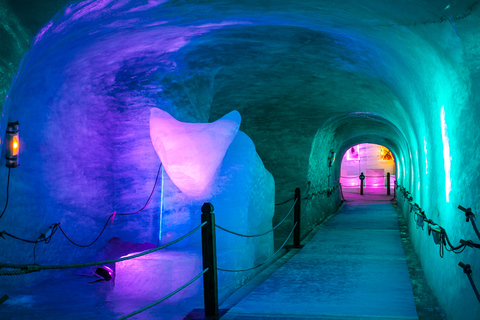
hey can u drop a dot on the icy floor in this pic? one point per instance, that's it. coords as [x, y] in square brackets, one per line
[332, 249]
[353, 268]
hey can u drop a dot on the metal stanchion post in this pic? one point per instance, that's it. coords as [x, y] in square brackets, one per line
[388, 183]
[209, 253]
[296, 219]
[362, 178]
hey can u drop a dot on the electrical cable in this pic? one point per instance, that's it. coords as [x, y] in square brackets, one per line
[17, 238]
[46, 240]
[95, 263]
[452, 248]
[149, 198]
[87, 245]
[8, 184]
[112, 216]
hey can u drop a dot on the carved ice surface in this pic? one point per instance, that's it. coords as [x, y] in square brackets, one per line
[192, 152]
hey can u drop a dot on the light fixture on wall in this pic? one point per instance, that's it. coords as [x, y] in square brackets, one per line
[12, 145]
[437, 233]
[331, 158]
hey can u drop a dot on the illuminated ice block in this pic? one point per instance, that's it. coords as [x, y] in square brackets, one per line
[191, 153]
[243, 196]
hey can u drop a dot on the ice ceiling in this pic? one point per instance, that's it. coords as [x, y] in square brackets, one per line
[385, 68]
[307, 77]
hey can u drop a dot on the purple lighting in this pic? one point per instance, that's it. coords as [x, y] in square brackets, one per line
[192, 152]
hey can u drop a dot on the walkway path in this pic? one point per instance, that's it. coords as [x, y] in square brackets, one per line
[353, 268]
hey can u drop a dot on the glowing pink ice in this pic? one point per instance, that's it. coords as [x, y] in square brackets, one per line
[192, 152]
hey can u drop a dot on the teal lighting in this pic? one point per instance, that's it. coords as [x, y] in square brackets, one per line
[446, 155]
[426, 158]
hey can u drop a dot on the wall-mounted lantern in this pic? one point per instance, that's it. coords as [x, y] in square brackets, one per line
[12, 145]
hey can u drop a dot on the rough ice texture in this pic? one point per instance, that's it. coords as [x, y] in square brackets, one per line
[307, 78]
[191, 153]
[244, 202]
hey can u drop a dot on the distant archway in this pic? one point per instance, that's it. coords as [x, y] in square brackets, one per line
[374, 161]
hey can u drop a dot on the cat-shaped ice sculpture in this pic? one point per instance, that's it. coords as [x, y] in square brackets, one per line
[191, 153]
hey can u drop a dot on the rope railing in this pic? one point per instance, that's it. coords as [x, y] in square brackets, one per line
[13, 272]
[165, 297]
[208, 227]
[36, 267]
[328, 192]
[288, 200]
[269, 259]
[261, 234]
[284, 202]
[266, 261]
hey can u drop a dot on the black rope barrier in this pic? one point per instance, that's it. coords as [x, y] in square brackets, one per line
[284, 202]
[261, 234]
[291, 199]
[269, 259]
[263, 263]
[165, 297]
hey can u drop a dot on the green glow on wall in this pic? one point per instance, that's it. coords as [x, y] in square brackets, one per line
[446, 155]
[426, 158]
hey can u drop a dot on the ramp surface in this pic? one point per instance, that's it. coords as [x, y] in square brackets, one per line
[353, 268]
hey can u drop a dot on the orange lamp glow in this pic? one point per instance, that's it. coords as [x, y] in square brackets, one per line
[13, 145]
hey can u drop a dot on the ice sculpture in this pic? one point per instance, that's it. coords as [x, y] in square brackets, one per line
[192, 152]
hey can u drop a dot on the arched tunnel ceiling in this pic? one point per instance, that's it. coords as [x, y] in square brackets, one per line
[368, 128]
[286, 67]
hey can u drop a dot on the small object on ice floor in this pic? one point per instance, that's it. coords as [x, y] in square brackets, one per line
[104, 273]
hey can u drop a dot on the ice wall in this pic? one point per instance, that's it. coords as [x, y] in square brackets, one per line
[243, 195]
[307, 78]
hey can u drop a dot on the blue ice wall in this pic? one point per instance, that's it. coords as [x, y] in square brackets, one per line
[307, 78]
[243, 197]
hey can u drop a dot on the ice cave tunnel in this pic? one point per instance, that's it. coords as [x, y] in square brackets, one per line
[132, 114]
